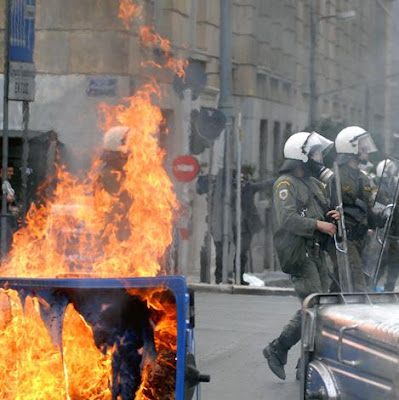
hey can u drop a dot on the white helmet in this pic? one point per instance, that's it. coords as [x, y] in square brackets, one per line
[302, 144]
[348, 140]
[114, 139]
[386, 165]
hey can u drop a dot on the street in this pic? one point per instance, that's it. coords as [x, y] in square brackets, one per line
[197, 138]
[231, 331]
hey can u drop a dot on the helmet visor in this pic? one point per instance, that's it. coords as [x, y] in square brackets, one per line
[366, 144]
[317, 146]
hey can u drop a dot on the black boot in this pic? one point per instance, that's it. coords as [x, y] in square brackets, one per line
[276, 357]
[298, 370]
[243, 282]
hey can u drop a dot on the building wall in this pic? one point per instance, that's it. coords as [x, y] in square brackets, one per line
[350, 57]
[394, 81]
[78, 41]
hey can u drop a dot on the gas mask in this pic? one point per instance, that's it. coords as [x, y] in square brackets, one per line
[315, 165]
[318, 170]
[361, 160]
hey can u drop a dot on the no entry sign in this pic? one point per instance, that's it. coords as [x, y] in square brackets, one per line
[185, 168]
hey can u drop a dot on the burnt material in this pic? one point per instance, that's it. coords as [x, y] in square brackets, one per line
[119, 321]
[122, 322]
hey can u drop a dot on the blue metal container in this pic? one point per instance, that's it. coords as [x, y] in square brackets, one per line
[69, 288]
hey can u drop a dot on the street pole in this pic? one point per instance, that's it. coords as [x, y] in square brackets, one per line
[238, 202]
[7, 33]
[367, 108]
[312, 69]
[185, 196]
[226, 106]
[314, 32]
[209, 205]
[193, 23]
[388, 70]
[25, 153]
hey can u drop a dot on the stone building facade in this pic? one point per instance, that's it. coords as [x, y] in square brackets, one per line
[394, 80]
[83, 44]
[350, 68]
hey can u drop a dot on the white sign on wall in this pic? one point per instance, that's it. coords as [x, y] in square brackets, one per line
[22, 81]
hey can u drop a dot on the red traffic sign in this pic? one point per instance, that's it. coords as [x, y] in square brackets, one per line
[185, 168]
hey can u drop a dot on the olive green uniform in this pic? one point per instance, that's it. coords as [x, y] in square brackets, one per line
[357, 199]
[390, 258]
[391, 255]
[298, 204]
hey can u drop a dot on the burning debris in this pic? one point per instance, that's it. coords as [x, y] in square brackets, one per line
[135, 333]
[119, 222]
[121, 323]
[115, 221]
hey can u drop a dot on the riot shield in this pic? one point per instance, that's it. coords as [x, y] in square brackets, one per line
[341, 245]
[385, 202]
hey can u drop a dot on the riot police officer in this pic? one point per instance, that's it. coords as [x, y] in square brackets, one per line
[390, 259]
[111, 180]
[353, 145]
[301, 209]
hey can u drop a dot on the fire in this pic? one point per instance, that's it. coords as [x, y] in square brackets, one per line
[37, 372]
[158, 381]
[72, 367]
[83, 228]
[79, 228]
[129, 10]
[150, 38]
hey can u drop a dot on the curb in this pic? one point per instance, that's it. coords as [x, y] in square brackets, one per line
[239, 289]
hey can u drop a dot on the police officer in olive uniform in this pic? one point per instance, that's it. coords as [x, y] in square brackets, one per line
[300, 210]
[390, 260]
[251, 222]
[391, 255]
[353, 145]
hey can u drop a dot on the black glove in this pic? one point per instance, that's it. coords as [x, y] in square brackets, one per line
[377, 218]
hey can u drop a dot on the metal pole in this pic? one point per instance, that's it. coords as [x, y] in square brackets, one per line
[193, 23]
[7, 33]
[238, 202]
[25, 153]
[185, 196]
[208, 240]
[367, 108]
[227, 204]
[157, 15]
[312, 69]
[388, 68]
[226, 106]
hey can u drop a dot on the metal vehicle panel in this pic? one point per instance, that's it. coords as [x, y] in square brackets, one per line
[350, 347]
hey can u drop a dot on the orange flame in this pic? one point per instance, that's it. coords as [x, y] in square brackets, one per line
[86, 227]
[84, 234]
[32, 367]
[128, 10]
[150, 38]
[158, 380]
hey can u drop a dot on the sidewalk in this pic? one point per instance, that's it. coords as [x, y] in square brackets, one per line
[276, 284]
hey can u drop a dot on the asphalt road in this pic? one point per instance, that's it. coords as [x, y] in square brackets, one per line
[231, 331]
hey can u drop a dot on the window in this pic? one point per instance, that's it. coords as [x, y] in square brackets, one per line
[263, 148]
[261, 82]
[287, 131]
[277, 145]
[287, 87]
[274, 88]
